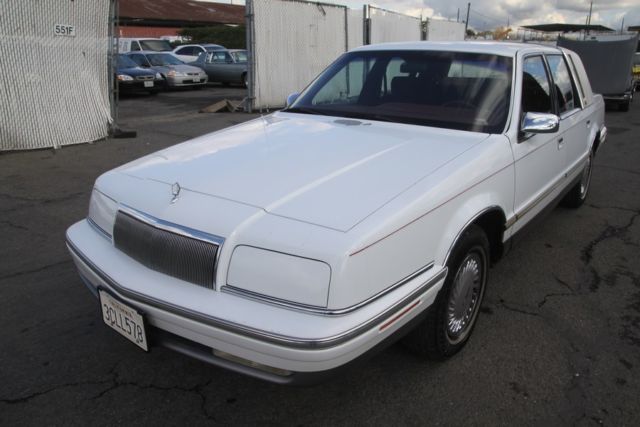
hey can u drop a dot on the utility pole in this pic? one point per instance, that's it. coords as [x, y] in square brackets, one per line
[622, 25]
[458, 17]
[590, 10]
[466, 23]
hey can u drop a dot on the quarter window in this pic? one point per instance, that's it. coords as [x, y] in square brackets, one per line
[565, 92]
[536, 89]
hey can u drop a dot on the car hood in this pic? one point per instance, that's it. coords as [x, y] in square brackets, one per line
[137, 71]
[183, 68]
[322, 170]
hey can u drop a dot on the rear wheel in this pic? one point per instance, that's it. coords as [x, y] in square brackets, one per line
[453, 315]
[245, 81]
[578, 194]
[624, 106]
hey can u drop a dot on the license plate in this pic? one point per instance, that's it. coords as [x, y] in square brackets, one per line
[148, 84]
[124, 319]
[196, 79]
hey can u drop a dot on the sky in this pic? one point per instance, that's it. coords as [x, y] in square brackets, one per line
[489, 14]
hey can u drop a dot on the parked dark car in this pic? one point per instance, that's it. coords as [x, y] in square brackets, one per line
[131, 78]
[221, 67]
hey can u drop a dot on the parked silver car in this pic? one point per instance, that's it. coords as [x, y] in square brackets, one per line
[221, 67]
[175, 72]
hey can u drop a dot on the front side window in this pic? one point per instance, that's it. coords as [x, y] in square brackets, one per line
[536, 89]
[185, 51]
[565, 93]
[426, 88]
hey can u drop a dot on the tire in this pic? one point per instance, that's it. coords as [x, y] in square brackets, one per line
[624, 106]
[452, 317]
[578, 194]
[245, 82]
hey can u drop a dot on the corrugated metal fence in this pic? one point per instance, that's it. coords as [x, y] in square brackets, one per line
[54, 89]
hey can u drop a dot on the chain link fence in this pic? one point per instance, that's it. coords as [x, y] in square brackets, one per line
[54, 81]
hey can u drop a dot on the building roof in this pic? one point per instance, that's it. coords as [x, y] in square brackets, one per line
[566, 28]
[178, 12]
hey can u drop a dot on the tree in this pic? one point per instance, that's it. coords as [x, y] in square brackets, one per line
[227, 36]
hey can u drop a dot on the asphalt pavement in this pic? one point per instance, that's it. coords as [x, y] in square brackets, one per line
[557, 343]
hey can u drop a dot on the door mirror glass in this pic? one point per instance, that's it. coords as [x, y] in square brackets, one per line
[540, 123]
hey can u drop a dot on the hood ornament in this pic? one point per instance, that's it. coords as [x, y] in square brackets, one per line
[175, 191]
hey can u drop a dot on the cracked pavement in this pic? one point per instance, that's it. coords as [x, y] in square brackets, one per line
[558, 340]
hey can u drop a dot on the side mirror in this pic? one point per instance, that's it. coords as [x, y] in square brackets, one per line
[540, 123]
[292, 98]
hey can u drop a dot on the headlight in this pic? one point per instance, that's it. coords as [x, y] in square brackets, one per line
[102, 211]
[124, 77]
[158, 76]
[174, 73]
[278, 275]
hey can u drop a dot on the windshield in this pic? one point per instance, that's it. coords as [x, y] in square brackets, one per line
[126, 62]
[454, 90]
[156, 45]
[163, 59]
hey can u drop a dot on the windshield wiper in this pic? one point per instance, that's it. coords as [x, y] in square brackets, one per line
[305, 110]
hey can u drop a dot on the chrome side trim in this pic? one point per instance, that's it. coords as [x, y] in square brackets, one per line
[321, 310]
[99, 229]
[261, 335]
[171, 227]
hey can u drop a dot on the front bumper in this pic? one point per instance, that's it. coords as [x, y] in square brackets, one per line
[134, 86]
[187, 81]
[198, 321]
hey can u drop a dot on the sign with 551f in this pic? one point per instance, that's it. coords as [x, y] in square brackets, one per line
[64, 30]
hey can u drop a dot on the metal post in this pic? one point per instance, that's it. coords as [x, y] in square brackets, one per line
[466, 23]
[113, 88]
[248, 106]
[366, 25]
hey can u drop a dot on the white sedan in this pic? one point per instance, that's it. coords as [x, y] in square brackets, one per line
[289, 246]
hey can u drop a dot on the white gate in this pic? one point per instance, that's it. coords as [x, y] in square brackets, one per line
[441, 30]
[291, 43]
[54, 84]
[388, 26]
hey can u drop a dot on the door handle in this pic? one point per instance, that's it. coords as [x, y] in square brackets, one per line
[560, 143]
[588, 123]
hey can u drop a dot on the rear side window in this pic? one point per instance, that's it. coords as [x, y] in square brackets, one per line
[565, 93]
[135, 45]
[536, 89]
[185, 51]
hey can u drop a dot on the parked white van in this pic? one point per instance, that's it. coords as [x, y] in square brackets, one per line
[127, 44]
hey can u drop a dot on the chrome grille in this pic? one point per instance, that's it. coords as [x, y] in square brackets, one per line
[170, 253]
[144, 77]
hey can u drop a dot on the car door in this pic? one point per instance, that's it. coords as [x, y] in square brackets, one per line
[216, 66]
[573, 120]
[539, 158]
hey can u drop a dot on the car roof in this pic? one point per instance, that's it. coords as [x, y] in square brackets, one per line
[489, 47]
[150, 52]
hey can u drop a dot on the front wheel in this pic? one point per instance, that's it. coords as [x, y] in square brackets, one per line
[452, 317]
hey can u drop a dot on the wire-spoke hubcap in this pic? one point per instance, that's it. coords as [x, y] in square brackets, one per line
[586, 179]
[465, 294]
